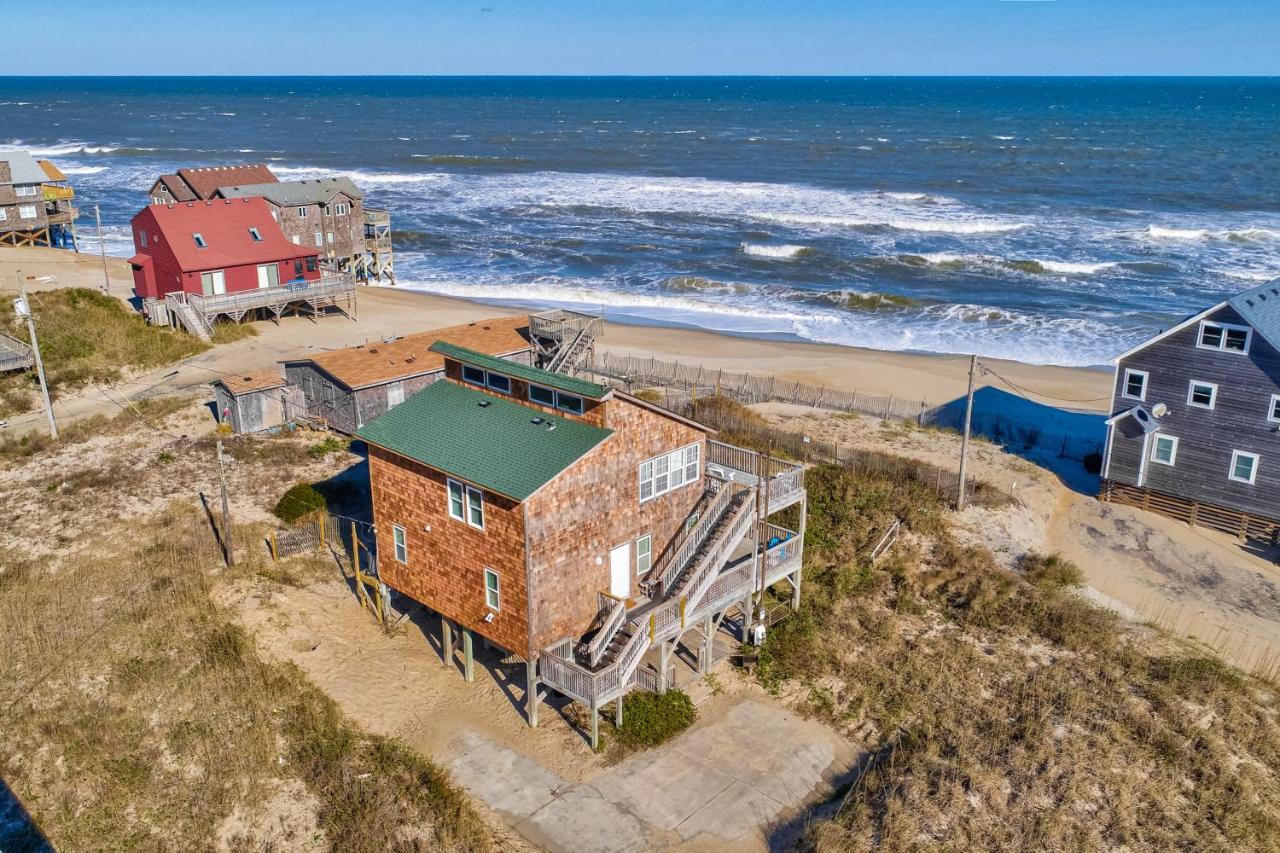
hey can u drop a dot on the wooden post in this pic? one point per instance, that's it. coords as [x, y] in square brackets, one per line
[25, 312]
[446, 641]
[226, 509]
[964, 442]
[102, 247]
[322, 518]
[653, 626]
[275, 554]
[708, 645]
[682, 603]
[617, 712]
[595, 727]
[664, 654]
[468, 660]
[531, 692]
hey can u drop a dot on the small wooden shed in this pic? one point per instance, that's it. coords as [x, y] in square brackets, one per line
[254, 402]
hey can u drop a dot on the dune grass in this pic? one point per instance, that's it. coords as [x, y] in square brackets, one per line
[137, 715]
[1003, 711]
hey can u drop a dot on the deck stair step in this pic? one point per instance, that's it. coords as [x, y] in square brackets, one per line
[567, 358]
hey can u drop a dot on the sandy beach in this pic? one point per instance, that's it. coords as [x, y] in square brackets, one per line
[387, 311]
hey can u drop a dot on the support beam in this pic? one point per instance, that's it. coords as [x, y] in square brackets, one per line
[708, 643]
[446, 641]
[595, 728]
[468, 659]
[617, 712]
[664, 657]
[531, 698]
[795, 589]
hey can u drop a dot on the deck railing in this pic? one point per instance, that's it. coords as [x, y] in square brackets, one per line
[617, 615]
[328, 285]
[562, 324]
[731, 456]
[674, 560]
[15, 354]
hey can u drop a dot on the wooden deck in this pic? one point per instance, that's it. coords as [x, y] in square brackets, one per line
[332, 290]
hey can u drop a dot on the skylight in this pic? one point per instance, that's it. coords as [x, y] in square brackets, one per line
[199, 238]
[253, 232]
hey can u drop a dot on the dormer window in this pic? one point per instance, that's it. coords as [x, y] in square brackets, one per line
[199, 238]
[256, 235]
[1223, 336]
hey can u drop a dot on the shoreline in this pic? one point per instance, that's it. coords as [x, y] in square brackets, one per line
[389, 310]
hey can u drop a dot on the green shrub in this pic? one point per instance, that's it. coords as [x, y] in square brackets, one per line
[1050, 571]
[649, 719]
[331, 444]
[299, 501]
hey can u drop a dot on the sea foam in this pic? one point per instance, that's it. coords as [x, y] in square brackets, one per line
[760, 250]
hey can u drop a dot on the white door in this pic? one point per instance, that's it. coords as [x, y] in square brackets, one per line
[268, 275]
[264, 279]
[620, 571]
[219, 282]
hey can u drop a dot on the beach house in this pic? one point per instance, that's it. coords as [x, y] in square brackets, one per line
[575, 526]
[326, 214]
[347, 388]
[200, 260]
[36, 203]
[1194, 431]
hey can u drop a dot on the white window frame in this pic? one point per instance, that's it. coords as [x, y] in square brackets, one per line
[400, 544]
[27, 191]
[297, 239]
[492, 595]
[1222, 341]
[1173, 450]
[644, 554]
[302, 213]
[329, 236]
[256, 235]
[1213, 397]
[669, 472]
[489, 376]
[341, 209]
[1253, 470]
[1124, 388]
[320, 239]
[158, 199]
[466, 492]
[551, 392]
[200, 241]
[395, 394]
[26, 211]
[1273, 407]
[4, 213]
[576, 409]
[482, 379]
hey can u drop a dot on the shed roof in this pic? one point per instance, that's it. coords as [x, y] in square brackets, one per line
[205, 179]
[1261, 307]
[177, 188]
[244, 383]
[386, 361]
[288, 193]
[52, 172]
[559, 381]
[224, 225]
[491, 442]
[24, 168]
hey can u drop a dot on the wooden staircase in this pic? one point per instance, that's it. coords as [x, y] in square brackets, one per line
[569, 357]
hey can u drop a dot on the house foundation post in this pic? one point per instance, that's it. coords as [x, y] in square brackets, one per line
[746, 620]
[664, 656]
[468, 659]
[595, 727]
[446, 641]
[795, 590]
[617, 712]
[708, 643]
[531, 692]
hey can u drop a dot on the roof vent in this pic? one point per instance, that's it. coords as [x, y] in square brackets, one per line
[536, 421]
[551, 425]
[484, 404]
[1249, 302]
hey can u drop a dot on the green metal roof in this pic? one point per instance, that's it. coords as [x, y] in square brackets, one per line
[559, 381]
[495, 446]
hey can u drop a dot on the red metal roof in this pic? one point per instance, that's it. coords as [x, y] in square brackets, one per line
[204, 180]
[224, 225]
[177, 188]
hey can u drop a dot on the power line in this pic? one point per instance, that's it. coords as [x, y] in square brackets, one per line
[1028, 394]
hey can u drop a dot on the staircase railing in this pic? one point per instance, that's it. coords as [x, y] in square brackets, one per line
[617, 616]
[674, 560]
[566, 359]
[708, 567]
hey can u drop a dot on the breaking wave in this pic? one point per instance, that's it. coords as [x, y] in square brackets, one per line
[759, 250]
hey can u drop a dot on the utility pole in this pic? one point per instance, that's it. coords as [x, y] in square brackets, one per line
[24, 312]
[968, 423]
[226, 508]
[102, 247]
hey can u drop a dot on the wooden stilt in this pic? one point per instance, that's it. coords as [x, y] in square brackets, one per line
[664, 655]
[708, 641]
[795, 590]
[468, 660]
[531, 698]
[595, 728]
[446, 641]
[617, 713]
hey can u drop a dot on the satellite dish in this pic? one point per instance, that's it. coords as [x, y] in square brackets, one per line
[1159, 410]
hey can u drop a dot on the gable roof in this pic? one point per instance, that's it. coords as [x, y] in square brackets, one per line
[289, 193]
[24, 168]
[496, 444]
[224, 225]
[377, 363]
[261, 380]
[1260, 306]
[205, 179]
[177, 187]
[537, 376]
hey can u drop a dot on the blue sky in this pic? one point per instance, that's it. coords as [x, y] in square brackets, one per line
[665, 37]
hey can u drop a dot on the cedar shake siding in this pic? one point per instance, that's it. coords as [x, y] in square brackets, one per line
[1206, 438]
[594, 506]
[592, 412]
[446, 563]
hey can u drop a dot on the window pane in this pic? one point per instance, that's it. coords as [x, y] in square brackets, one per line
[1275, 408]
[473, 374]
[545, 396]
[455, 500]
[1202, 395]
[1134, 384]
[1211, 336]
[1243, 468]
[1236, 339]
[491, 589]
[475, 502]
[498, 382]
[569, 403]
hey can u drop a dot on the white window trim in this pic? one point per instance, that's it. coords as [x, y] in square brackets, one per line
[496, 604]
[200, 241]
[1213, 400]
[26, 211]
[1272, 406]
[25, 191]
[467, 492]
[484, 375]
[400, 544]
[672, 461]
[256, 235]
[302, 213]
[395, 393]
[1173, 454]
[1222, 345]
[1253, 472]
[1124, 386]
[488, 381]
[647, 538]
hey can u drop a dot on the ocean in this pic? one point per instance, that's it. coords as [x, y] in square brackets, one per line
[1053, 221]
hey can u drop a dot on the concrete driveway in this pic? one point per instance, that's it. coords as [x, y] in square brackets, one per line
[724, 784]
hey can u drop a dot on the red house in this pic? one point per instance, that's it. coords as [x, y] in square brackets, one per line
[210, 248]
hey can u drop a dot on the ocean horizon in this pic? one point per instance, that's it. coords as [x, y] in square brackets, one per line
[1051, 220]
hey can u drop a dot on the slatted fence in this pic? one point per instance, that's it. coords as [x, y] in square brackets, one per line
[1241, 524]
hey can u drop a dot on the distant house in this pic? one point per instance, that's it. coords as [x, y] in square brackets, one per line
[255, 402]
[196, 261]
[348, 388]
[578, 527]
[1194, 431]
[326, 214]
[201, 183]
[35, 203]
